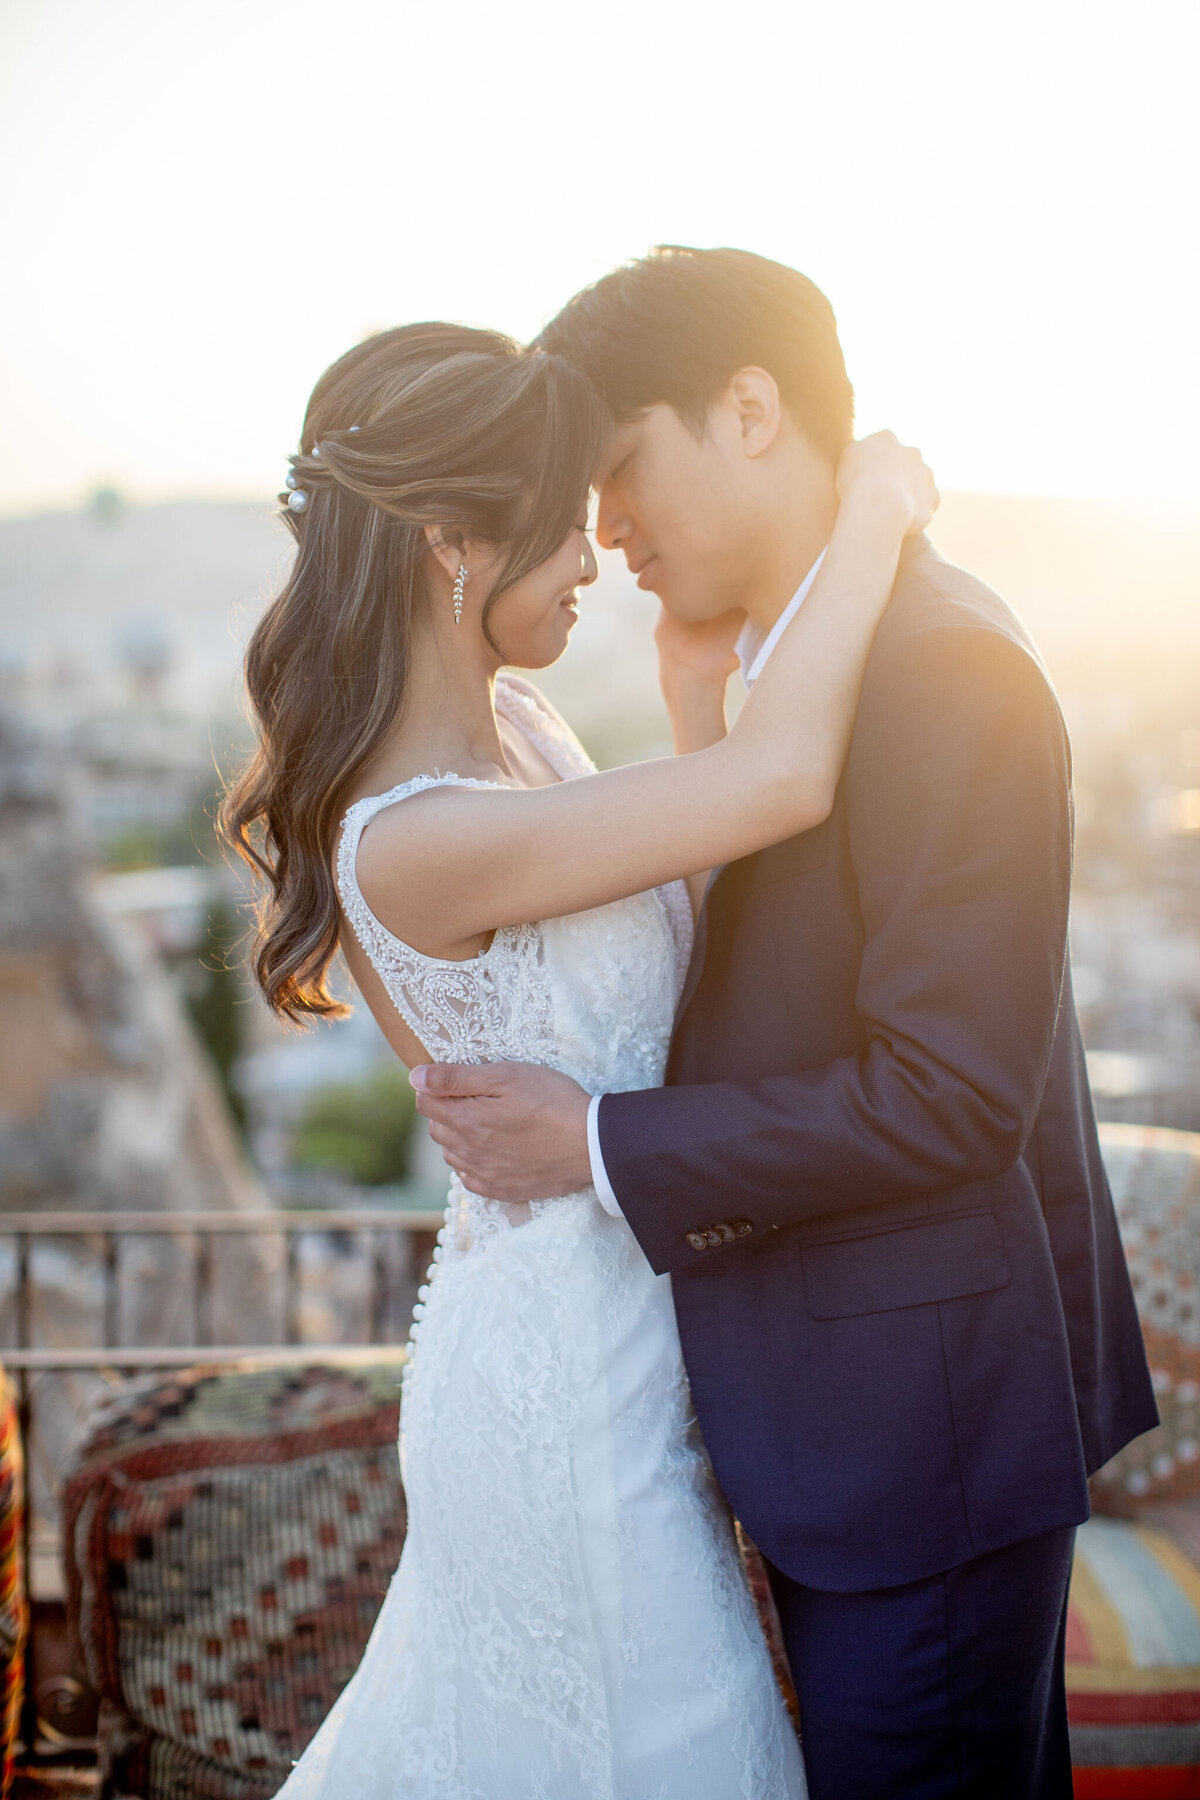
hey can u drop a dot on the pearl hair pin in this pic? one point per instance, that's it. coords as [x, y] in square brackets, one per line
[298, 499]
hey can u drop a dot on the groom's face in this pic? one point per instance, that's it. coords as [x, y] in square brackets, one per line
[674, 504]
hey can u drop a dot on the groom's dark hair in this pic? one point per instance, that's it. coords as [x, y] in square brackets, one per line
[675, 326]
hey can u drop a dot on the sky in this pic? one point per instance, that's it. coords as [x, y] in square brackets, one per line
[205, 205]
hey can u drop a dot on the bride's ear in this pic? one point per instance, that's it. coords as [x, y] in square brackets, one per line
[448, 546]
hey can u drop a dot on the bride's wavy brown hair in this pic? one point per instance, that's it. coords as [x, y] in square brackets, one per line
[432, 424]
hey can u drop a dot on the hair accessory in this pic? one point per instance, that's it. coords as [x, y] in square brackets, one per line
[289, 480]
[459, 583]
[297, 499]
[356, 428]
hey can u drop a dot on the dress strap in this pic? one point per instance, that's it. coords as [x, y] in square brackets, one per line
[542, 725]
[357, 818]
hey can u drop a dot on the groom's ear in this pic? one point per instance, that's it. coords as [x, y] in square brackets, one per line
[753, 396]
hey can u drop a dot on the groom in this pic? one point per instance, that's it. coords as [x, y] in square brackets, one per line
[873, 1173]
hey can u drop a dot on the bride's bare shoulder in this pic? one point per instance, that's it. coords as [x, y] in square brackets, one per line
[418, 815]
[406, 862]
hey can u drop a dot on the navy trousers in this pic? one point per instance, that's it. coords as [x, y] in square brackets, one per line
[948, 1686]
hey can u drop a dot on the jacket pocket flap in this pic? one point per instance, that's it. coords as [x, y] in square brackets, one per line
[942, 1259]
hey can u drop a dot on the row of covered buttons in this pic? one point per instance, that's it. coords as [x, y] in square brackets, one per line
[710, 1237]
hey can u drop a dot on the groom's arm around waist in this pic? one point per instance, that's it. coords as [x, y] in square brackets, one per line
[958, 810]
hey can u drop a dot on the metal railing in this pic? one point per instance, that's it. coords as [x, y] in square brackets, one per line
[109, 1229]
[105, 1234]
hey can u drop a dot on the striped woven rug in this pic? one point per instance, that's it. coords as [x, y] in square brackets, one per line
[1133, 1657]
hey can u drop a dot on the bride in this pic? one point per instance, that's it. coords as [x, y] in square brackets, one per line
[569, 1620]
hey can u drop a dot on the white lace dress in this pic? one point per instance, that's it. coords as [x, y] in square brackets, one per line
[569, 1620]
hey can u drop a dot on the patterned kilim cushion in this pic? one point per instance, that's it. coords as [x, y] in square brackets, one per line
[1133, 1657]
[1155, 1177]
[14, 1611]
[229, 1537]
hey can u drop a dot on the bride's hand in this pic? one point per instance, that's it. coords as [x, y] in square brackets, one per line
[706, 649]
[880, 467]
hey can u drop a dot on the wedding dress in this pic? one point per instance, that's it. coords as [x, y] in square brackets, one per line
[570, 1619]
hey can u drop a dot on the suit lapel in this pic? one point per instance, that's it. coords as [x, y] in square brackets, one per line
[695, 968]
[911, 549]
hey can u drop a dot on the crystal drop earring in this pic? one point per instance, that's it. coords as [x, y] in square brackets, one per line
[459, 583]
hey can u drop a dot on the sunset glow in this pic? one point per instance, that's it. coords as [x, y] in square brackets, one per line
[205, 206]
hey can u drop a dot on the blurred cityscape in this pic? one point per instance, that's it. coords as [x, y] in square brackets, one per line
[140, 1070]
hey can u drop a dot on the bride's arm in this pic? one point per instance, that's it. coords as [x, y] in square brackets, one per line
[456, 862]
[694, 666]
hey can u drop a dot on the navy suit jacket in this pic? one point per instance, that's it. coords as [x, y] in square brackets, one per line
[909, 1327]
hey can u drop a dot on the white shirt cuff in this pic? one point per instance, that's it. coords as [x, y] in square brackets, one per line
[600, 1181]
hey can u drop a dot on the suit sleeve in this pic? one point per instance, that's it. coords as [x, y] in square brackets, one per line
[959, 813]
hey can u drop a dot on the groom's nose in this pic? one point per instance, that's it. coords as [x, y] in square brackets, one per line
[614, 526]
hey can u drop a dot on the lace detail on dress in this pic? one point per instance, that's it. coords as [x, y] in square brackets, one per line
[677, 904]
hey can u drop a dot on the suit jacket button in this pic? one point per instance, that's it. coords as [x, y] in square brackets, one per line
[724, 1231]
[712, 1237]
[697, 1239]
[742, 1227]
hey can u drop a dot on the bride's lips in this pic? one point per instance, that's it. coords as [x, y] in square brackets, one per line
[640, 570]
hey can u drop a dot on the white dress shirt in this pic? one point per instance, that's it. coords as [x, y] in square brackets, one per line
[754, 647]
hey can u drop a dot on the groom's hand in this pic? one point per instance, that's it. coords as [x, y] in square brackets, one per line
[511, 1131]
[705, 649]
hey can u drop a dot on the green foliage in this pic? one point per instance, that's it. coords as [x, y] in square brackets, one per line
[149, 846]
[361, 1130]
[178, 842]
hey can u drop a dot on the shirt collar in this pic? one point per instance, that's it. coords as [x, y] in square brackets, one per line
[754, 646]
